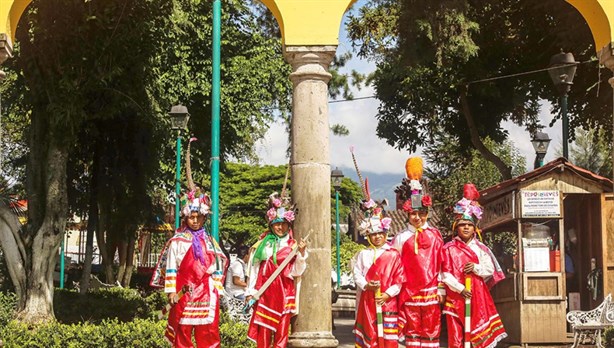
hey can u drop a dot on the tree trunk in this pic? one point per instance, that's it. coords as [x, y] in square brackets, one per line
[13, 250]
[47, 213]
[103, 246]
[92, 225]
[129, 264]
[505, 170]
[122, 250]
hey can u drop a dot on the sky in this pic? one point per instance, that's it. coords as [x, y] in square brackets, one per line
[374, 155]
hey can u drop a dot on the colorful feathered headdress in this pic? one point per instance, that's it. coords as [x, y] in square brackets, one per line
[468, 207]
[374, 221]
[374, 224]
[280, 209]
[411, 189]
[193, 200]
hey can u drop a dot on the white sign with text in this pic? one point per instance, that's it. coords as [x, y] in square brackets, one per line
[540, 204]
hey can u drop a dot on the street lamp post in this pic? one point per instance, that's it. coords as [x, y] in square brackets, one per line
[337, 177]
[179, 121]
[562, 71]
[540, 143]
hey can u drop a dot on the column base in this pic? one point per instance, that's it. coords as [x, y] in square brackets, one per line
[312, 339]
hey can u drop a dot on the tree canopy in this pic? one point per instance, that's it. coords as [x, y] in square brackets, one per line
[92, 83]
[450, 170]
[430, 55]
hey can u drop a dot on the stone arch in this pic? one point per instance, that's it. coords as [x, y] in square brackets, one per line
[599, 15]
[9, 18]
[292, 14]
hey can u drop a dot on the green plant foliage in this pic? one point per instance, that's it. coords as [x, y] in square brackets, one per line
[233, 334]
[112, 317]
[244, 193]
[608, 337]
[155, 301]
[425, 50]
[591, 150]
[139, 333]
[109, 333]
[350, 194]
[347, 251]
[8, 303]
[116, 303]
[449, 171]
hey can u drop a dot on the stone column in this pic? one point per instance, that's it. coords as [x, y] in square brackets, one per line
[606, 57]
[310, 163]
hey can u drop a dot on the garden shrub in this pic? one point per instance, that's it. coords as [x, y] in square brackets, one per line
[8, 303]
[233, 334]
[113, 317]
[108, 333]
[608, 337]
[122, 304]
[146, 333]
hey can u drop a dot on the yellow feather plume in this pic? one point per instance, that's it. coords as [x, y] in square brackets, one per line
[413, 168]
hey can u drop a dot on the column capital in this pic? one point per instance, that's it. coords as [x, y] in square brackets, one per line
[6, 48]
[606, 56]
[310, 62]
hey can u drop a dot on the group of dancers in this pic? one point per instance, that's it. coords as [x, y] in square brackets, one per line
[401, 285]
[404, 286]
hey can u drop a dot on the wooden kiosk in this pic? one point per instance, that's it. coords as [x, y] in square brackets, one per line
[532, 220]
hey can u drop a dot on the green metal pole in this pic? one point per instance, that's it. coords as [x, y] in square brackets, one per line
[215, 120]
[178, 180]
[62, 262]
[565, 125]
[338, 239]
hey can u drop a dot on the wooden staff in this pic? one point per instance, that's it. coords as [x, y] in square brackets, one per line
[168, 306]
[468, 312]
[380, 319]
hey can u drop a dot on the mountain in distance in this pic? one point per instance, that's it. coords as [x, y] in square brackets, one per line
[380, 185]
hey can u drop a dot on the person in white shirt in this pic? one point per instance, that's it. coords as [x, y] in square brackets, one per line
[236, 282]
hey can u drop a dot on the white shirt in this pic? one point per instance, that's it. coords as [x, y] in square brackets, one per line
[484, 268]
[364, 261]
[402, 237]
[177, 249]
[236, 269]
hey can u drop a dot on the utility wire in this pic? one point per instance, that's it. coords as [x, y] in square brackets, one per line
[527, 72]
[481, 80]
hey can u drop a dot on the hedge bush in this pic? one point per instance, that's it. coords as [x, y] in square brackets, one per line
[112, 317]
[122, 304]
[608, 337]
[108, 333]
[8, 303]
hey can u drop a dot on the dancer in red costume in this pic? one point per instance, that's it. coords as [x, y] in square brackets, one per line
[191, 260]
[277, 304]
[420, 246]
[465, 256]
[377, 268]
